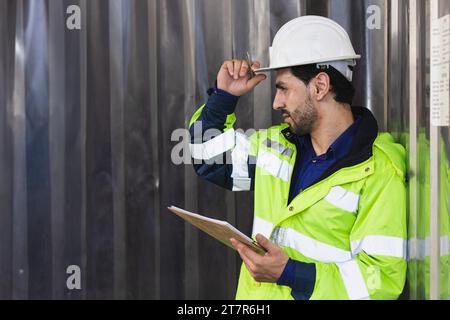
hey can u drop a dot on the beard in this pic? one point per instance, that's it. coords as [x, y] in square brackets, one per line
[302, 118]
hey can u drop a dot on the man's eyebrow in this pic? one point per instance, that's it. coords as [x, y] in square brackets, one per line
[280, 85]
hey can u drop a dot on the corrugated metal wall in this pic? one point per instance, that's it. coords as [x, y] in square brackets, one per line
[429, 151]
[86, 123]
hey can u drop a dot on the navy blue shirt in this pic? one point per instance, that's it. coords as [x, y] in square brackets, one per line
[311, 166]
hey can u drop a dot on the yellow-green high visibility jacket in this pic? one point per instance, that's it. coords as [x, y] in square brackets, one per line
[351, 224]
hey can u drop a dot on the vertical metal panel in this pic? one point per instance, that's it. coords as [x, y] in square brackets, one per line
[171, 116]
[191, 255]
[318, 7]
[153, 43]
[386, 64]
[99, 193]
[237, 41]
[37, 148]
[413, 165]
[228, 17]
[434, 190]
[434, 243]
[394, 74]
[444, 197]
[231, 49]
[82, 147]
[428, 265]
[117, 86]
[396, 120]
[57, 145]
[419, 262]
[17, 118]
[282, 11]
[140, 183]
[369, 76]
[259, 43]
[7, 35]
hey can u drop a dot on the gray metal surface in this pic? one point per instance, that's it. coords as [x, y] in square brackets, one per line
[86, 119]
[428, 267]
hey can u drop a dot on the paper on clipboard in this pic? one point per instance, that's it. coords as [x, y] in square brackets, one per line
[221, 230]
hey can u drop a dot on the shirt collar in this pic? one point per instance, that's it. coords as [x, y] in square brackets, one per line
[339, 148]
[342, 145]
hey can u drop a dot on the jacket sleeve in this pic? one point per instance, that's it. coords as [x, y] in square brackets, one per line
[377, 269]
[220, 154]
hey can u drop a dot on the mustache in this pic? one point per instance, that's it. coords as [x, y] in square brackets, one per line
[285, 113]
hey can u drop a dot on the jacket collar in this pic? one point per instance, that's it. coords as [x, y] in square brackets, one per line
[362, 146]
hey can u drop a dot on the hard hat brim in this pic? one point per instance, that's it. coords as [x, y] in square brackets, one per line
[268, 69]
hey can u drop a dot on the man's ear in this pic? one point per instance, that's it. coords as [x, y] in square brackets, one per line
[321, 86]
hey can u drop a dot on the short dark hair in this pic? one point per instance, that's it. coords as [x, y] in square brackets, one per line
[342, 88]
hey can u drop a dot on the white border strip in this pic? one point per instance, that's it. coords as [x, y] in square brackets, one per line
[262, 226]
[380, 245]
[353, 280]
[307, 246]
[274, 165]
[312, 248]
[343, 199]
[214, 147]
[239, 158]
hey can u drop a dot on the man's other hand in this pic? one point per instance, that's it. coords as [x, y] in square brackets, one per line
[266, 268]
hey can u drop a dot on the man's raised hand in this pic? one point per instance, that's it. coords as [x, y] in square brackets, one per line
[234, 77]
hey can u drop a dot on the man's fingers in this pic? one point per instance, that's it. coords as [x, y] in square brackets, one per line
[251, 254]
[237, 68]
[247, 252]
[266, 243]
[238, 245]
[229, 66]
[256, 80]
[248, 263]
[256, 65]
[244, 69]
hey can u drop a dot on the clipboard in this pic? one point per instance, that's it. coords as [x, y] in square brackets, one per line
[220, 230]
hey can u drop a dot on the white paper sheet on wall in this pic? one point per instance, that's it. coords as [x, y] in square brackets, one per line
[440, 71]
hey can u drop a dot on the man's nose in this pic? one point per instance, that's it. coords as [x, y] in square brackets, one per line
[278, 104]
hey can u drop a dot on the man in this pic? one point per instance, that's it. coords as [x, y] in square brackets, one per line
[329, 188]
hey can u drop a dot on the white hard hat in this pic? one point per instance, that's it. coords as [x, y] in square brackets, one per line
[312, 40]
